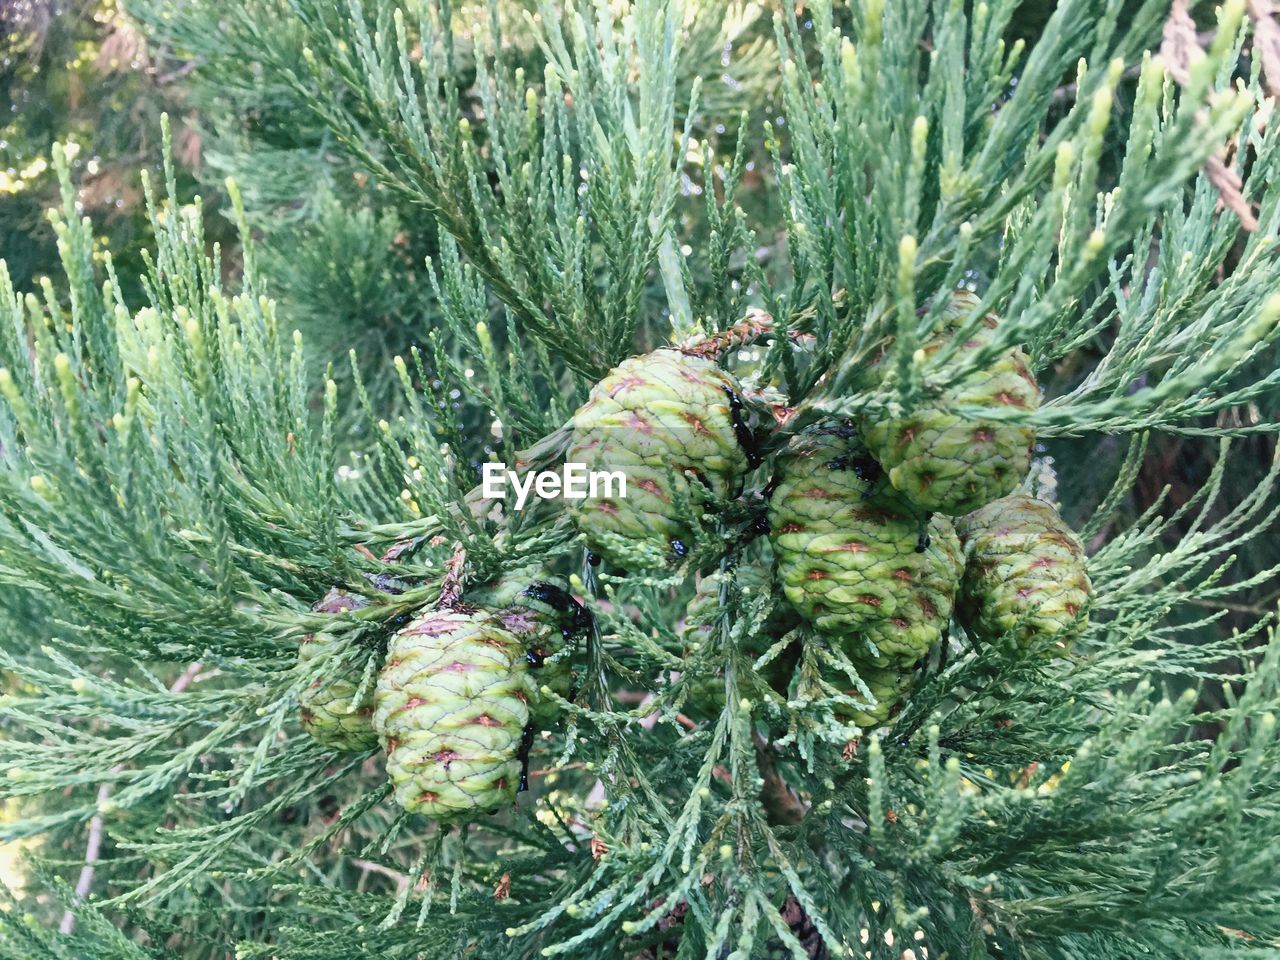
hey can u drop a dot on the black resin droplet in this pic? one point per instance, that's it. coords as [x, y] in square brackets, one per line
[746, 438]
[526, 745]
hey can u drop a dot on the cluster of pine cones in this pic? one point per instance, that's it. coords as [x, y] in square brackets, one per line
[881, 532]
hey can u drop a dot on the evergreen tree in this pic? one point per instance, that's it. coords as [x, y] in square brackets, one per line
[835, 678]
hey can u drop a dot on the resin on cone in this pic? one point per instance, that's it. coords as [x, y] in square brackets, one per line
[452, 709]
[671, 424]
[544, 616]
[328, 708]
[947, 463]
[855, 557]
[1026, 577]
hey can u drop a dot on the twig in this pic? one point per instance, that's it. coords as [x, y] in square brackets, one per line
[187, 677]
[94, 847]
[451, 585]
[1266, 41]
[1231, 189]
[1180, 48]
[756, 325]
[1068, 92]
[1258, 610]
[649, 721]
[180, 72]
[368, 866]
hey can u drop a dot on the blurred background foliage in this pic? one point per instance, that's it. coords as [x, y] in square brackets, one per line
[78, 71]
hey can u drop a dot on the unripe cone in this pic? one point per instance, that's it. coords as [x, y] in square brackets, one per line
[662, 419]
[452, 711]
[754, 580]
[545, 618]
[855, 557]
[889, 689]
[327, 708]
[1026, 577]
[929, 582]
[889, 686]
[953, 465]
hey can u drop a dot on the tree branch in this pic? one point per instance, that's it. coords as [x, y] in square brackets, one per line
[94, 847]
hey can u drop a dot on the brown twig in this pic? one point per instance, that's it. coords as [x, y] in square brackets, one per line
[182, 71]
[651, 720]
[1266, 41]
[1180, 49]
[368, 866]
[187, 677]
[1068, 92]
[93, 848]
[756, 325]
[503, 889]
[451, 585]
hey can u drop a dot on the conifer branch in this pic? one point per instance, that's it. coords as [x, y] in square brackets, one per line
[84, 883]
[175, 489]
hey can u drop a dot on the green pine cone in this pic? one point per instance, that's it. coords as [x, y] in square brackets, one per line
[659, 419]
[753, 579]
[1026, 577]
[452, 709]
[855, 557]
[930, 583]
[889, 686]
[327, 708]
[540, 611]
[951, 465]
[889, 689]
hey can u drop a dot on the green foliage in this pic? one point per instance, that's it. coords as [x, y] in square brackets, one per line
[278, 125]
[578, 290]
[172, 493]
[341, 260]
